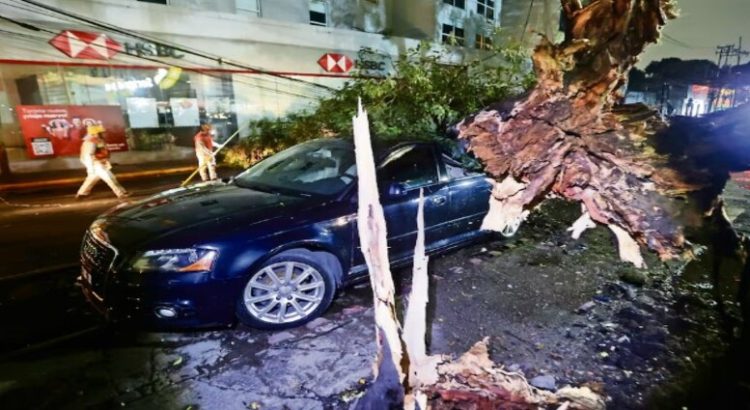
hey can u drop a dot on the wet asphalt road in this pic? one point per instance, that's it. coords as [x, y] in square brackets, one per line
[39, 248]
[43, 229]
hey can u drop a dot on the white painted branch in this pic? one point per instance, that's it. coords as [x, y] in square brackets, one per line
[423, 368]
[373, 242]
[416, 317]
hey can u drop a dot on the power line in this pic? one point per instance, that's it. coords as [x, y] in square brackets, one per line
[728, 51]
[682, 43]
[202, 66]
[174, 46]
[272, 86]
[528, 19]
[178, 47]
[153, 60]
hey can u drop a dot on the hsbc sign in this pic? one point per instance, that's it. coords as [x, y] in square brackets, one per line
[369, 62]
[98, 46]
[335, 63]
[82, 44]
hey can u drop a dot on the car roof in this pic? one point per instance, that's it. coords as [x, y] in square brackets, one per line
[380, 146]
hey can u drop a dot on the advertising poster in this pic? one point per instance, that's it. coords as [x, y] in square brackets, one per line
[58, 130]
[142, 112]
[185, 112]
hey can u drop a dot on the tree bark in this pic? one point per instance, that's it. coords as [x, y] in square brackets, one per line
[564, 138]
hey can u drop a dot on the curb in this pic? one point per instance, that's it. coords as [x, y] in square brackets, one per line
[78, 180]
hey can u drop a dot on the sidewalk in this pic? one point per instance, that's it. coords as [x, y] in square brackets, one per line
[56, 179]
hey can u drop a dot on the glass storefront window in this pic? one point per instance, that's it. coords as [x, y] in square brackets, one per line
[160, 108]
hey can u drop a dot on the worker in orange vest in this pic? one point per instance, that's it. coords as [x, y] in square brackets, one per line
[204, 150]
[95, 157]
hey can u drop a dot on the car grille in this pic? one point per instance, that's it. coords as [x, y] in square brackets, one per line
[96, 259]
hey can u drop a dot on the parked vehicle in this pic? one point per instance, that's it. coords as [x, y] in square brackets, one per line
[273, 245]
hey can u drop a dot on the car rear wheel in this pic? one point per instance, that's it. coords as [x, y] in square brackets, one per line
[287, 291]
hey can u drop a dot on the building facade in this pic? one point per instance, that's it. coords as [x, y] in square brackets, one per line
[151, 71]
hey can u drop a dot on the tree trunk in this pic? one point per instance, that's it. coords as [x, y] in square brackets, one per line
[391, 363]
[564, 138]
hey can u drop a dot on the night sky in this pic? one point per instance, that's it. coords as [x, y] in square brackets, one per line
[702, 25]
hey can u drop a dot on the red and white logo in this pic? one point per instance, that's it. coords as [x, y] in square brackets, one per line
[335, 63]
[82, 44]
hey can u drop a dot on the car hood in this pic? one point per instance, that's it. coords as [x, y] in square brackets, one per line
[180, 209]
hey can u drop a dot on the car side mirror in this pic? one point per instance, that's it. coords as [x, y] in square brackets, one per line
[396, 190]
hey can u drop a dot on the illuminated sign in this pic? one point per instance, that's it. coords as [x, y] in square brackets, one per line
[83, 44]
[151, 50]
[129, 85]
[98, 46]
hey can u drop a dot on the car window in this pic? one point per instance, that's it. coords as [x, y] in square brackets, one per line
[412, 165]
[456, 170]
[318, 167]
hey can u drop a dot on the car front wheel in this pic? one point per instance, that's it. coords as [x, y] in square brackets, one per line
[287, 291]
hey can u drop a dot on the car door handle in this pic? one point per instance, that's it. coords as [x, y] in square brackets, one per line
[439, 199]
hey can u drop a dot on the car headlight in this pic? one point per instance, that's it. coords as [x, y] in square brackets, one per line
[175, 260]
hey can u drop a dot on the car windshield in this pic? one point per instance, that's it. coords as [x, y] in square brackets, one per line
[321, 167]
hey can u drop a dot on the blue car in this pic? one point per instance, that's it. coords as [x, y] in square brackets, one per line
[271, 246]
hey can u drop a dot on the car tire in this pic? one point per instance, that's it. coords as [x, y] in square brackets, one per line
[297, 282]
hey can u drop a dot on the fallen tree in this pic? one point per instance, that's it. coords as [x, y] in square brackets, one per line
[405, 375]
[647, 181]
[566, 139]
[655, 184]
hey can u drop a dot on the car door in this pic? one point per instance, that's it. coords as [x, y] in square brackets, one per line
[401, 175]
[469, 193]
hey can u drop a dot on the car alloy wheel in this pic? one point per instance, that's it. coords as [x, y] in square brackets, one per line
[284, 292]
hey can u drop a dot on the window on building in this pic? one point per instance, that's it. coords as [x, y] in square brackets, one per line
[456, 3]
[318, 13]
[155, 1]
[452, 35]
[248, 6]
[486, 8]
[483, 42]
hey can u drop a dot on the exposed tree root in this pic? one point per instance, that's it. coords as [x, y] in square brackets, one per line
[565, 139]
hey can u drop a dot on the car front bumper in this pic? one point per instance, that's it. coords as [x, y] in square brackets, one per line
[161, 300]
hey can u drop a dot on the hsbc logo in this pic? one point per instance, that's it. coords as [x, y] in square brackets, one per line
[82, 44]
[97, 46]
[335, 63]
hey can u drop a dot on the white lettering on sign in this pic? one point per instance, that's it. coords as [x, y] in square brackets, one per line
[372, 62]
[129, 85]
[151, 50]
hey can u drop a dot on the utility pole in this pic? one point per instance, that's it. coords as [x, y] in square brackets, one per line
[733, 51]
[728, 51]
[723, 51]
[739, 52]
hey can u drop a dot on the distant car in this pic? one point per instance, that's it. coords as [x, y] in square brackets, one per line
[273, 245]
